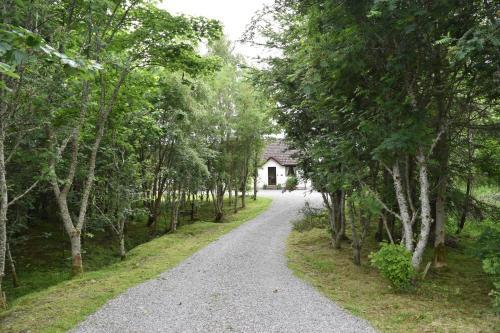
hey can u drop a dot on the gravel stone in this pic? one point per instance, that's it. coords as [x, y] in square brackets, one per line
[239, 283]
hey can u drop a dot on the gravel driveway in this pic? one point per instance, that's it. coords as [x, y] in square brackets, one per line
[240, 283]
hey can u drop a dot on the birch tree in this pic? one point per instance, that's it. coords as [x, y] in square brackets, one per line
[381, 81]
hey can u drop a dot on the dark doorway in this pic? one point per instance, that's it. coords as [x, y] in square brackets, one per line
[271, 176]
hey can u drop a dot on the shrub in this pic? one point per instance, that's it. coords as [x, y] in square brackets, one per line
[488, 250]
[312, 218]
[394, 262]
[264, 187]
[291, 183]
[492, 267]
[279, 187]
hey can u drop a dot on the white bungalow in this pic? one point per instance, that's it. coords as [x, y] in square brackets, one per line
[278, 163]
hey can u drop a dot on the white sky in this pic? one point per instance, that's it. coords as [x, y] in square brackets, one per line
[235, 15]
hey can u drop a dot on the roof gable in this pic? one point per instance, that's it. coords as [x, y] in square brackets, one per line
[280, 152]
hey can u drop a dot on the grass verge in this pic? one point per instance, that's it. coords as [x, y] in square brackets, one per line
[61, 307]
[452, 299]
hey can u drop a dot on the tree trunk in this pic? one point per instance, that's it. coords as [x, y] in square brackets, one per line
[465, 209]
[386, 226]
[329, 202]
[3, 212]
[174, 219]
[76, 253]
[468, 189]
[331, 220]
[61, 195]
[219, 213]
[254, 188]
[243, 197]
[379, 234]
[218, 201]
[236, 199]
[356, 248]
[356, 242]
[176, 214]
[193, 206]
[403, 207]
[73, 233]
[425, 207]
[121, 236]
[15, 279]
[104, 112]
[382, 222]
[439, 251]
[244, 192]
[255, 176]
[340, 219]
[440, 225]
[123, 252]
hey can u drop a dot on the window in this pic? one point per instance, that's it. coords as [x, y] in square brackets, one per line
[290, 171]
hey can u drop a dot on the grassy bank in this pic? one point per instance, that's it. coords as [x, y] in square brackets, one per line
[60, 307]
[43, 259]
[453, 299]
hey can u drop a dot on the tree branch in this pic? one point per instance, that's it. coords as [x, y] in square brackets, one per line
[28, 190]
[436, 140]
[381, 202]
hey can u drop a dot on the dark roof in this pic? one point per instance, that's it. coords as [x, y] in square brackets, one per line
[280, 152]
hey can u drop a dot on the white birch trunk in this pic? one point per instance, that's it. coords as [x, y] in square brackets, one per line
[3, 212]
[425, 209]
[403, 207]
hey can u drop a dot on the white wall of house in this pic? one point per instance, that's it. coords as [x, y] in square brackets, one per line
[281, 177]
[264, 176]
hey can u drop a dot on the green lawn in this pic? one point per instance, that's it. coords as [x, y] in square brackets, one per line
[453, 299]
[61, 306]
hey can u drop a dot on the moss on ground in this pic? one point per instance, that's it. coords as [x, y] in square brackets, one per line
[60, 307]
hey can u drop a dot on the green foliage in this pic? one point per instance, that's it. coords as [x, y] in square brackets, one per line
[365, 89]
[311, 218]
[488, 249]
[394, 262]
[488, 160]
[20, 46]
[112, 101]
[291, 183]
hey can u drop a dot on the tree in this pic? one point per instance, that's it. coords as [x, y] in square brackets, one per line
[158, 39]
[373, 88]
[19, 48]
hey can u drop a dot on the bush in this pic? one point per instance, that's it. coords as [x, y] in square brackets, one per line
[488, 250]
[492, 267]
[312, 218]
[279, 187]
[291, 183]
[394, 262]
